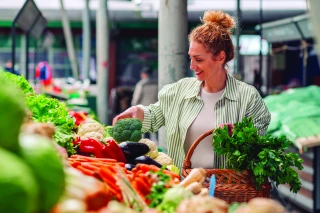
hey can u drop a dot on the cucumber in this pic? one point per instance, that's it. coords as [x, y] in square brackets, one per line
[132, 150]
[147, 160]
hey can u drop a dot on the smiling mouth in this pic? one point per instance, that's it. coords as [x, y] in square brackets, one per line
[198, 73]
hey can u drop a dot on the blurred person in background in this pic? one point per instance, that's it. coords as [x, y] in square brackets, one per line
[8, 68]
[146, 91]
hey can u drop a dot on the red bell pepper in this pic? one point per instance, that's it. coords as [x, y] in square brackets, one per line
[112, 150]
[89, 145]
[79, 117]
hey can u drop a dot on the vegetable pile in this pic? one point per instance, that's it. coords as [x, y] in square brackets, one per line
[265, 156]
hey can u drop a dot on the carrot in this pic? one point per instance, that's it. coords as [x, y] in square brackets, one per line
[82, 157]
[146, 168]
[106, 172]
[142, 185]
[75, 164]
[86, 171]
[108, 163]
[90, 166]
[107, 160]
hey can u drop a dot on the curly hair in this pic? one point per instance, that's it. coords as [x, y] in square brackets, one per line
[215, 33]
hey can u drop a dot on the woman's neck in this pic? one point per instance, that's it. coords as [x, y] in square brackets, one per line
[217, 83]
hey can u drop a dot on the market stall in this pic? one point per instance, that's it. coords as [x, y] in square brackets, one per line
[63, 162]
[295, 112]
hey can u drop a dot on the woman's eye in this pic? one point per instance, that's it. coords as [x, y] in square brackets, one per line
[198, 60]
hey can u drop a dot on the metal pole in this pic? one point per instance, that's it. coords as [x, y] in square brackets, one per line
[69, 41]
[269, 74]
[86, 41]
[316, 175]
[102, 46]
[35, 60]
[27, 54]
[23, 55]
[173, 45]
[13, 46]
[237, 66]
[260, 53]
[314, 9]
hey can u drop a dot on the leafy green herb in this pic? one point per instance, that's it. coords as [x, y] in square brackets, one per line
[159, 188]
[265, 156]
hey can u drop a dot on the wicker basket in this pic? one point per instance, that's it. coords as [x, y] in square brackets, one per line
[231, 186]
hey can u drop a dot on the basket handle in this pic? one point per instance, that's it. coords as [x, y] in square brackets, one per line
[187, 162]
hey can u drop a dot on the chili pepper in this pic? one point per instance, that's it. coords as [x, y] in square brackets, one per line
[89, 145]
[112, 150]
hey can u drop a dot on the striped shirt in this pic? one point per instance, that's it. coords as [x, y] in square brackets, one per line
[180, 103]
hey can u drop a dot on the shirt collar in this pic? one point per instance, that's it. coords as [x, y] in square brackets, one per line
[230, 91]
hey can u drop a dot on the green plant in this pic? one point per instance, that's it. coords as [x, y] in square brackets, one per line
[265, 156]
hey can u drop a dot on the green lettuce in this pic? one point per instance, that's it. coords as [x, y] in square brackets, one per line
[19, 81]
[50, 110]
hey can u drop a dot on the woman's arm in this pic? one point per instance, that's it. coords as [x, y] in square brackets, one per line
[259, 112]
[152, 116]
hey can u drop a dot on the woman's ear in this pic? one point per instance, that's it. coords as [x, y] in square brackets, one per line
[221, 56]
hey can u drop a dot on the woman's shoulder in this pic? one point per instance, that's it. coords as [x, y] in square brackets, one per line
[184, 84]
[246, 88]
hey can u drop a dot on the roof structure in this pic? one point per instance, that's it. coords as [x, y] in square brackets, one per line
[126, 10]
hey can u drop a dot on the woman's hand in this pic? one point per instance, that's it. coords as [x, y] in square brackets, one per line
[132, 112]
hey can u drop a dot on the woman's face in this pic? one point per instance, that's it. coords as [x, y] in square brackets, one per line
[203, 63]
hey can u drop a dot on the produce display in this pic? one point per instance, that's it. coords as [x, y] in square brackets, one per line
[55, 160]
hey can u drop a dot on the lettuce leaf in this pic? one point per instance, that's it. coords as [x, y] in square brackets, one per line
[19, 81]
[50, 110]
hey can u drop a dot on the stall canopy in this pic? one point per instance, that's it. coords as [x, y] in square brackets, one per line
[289, 29]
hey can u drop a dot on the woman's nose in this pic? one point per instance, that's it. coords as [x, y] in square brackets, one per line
[192, 66]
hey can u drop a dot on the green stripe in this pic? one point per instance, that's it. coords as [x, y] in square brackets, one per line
[180, 103]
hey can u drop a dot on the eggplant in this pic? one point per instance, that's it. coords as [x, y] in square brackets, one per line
[130, 166]
[131, 150]
[147, 160]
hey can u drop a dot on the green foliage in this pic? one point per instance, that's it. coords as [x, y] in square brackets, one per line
[265, 156]
[49, 110]
[128, 129]
[12, 112]
[19, 81]
[159, 188]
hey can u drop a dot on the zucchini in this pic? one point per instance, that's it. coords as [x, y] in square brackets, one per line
[133, 149]
[147, 160]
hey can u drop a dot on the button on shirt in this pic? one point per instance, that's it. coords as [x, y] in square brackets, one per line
[180, 103]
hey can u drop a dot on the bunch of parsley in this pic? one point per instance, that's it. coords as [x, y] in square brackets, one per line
[265, 156]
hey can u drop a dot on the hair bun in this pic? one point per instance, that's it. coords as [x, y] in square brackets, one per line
[220, 18]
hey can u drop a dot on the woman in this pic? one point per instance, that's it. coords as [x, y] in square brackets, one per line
[193, 106]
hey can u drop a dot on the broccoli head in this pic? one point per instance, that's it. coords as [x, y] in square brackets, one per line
[128, 129]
